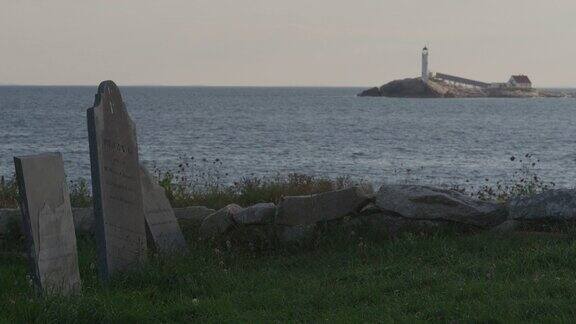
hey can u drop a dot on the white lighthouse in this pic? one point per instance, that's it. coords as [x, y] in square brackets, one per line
[425, 64]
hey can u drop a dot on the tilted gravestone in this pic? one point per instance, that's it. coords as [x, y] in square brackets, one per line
[47, 223]
[118, 208]
[161, 224]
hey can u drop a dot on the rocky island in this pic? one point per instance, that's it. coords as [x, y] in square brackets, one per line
[435, 88]
[442, 85]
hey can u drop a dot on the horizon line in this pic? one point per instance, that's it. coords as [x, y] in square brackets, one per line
[232, 86]
[180, 85]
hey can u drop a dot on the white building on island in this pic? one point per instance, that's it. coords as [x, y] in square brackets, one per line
[515, 82]
[425, 73]
[520, 81]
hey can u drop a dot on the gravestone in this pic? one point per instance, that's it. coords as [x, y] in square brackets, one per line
[161, 224]
[47, 223]
[118, 209]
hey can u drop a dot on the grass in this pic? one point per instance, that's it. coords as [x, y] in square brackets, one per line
[203, 184]
[8, 193]
[200, 182]
[339, 277]
[245, 192]
[441, 277]
[250, 191]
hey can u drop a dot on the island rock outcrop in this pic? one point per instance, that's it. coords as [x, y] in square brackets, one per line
[417, 88]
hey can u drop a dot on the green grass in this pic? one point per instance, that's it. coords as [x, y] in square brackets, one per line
[247, 191]
[443, 277]
[212, 193]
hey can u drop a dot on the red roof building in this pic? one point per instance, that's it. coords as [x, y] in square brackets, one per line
[520, 81]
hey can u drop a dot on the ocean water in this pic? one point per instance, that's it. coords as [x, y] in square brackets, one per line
[317, 131]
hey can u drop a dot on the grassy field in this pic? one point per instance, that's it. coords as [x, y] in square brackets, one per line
[441, 278]
[445, 277]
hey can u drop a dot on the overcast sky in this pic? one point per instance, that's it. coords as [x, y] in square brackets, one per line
[283, 42]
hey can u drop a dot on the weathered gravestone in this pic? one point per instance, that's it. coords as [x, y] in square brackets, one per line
[47, 223]
[161, 224]
[118, 208]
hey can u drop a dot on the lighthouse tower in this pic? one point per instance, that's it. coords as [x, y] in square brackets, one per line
[425, 64]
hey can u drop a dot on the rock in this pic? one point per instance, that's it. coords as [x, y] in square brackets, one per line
[436, 88]
[435, 204]
[219, 222]
[304, 210]
[262, 213]
[556, 205]
[391, 225]
[253, 237]
[413, 88]
[195, 214]
[367, 188]
[372, 92]
[370, 208]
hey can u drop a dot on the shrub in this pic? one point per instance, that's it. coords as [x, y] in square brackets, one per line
[524, 182]
[196, 184]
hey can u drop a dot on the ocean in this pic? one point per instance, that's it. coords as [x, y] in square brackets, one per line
[237, 132]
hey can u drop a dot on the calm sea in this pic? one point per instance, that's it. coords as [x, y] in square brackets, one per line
[317, 131]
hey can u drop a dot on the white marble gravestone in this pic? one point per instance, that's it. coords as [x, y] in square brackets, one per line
[47, 223]
[161, 224]
[118, 208]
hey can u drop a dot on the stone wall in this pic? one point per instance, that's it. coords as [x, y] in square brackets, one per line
[392, 209]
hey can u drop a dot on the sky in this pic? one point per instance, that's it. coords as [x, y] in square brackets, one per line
[283, 42]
